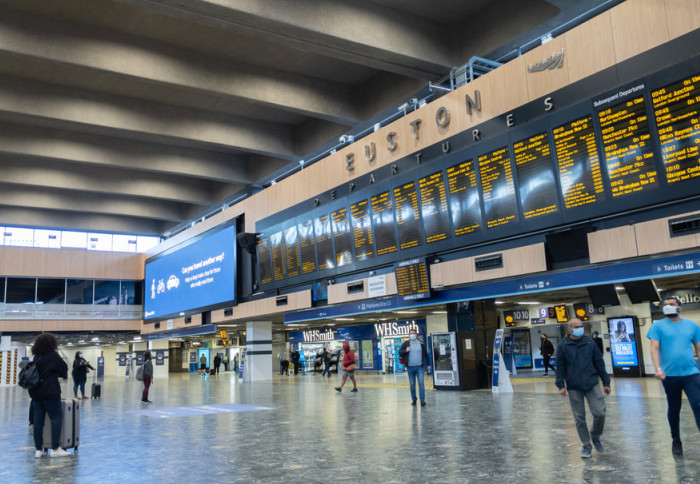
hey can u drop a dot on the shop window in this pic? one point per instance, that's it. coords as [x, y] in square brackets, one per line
[107, 292]
[50, 298]
[74, 240]
[17, 237]
[124, 243]
[20, 290]
[79, 291]
[99, 242]
[47, 239]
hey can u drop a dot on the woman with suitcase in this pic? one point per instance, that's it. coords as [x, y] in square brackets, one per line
[46, 398]
[80, 370]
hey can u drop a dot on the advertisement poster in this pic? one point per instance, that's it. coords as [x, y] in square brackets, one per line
[622, 341]
[367, 356]
[122, 359]
[160, 358]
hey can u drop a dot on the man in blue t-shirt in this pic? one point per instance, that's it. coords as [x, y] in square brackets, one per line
[672, 340]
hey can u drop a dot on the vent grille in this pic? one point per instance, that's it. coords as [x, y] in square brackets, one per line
[684, 226]
[488, 262]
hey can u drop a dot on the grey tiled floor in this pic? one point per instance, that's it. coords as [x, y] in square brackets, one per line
[315, 435]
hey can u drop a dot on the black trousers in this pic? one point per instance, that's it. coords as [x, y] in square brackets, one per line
[547, 364]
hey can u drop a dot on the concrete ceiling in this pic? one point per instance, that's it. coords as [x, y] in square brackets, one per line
[137, 115]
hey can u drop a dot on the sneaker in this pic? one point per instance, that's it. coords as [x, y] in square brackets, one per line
[586, 452]
[598, 446]
[677, 447]
[413, 403]
[338, 389]
[422, 403]
[59, 453]
[546, 374]
[38, 454]
[354, 390]
[85, 398]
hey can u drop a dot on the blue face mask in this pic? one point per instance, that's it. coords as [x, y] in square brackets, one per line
[413, 337]
[578, 332]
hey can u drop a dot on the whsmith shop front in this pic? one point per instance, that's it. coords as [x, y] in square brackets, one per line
[377, 345]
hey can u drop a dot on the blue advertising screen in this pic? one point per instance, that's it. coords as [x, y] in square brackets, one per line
[622, 341]
[194, 277]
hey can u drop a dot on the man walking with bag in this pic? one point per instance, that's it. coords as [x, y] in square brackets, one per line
[415, 356]
[580, 364]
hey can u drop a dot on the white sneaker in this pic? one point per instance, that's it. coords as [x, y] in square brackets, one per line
[59, 453]
[38, 454]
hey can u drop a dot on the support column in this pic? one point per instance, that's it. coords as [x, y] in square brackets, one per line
[258, 364]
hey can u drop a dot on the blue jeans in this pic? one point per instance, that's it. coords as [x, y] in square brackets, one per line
[55, 411]
[416, 372]
[326, 368]
[77, 384]
[674, 386]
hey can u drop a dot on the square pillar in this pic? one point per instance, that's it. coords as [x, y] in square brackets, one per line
[258, 360]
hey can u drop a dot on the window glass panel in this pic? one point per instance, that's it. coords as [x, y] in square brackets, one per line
[79, 298]
[50, 296]
[20, 297]
[2, 235]
[124, 243]
[47, 239]
[144, 243]
[2, 295]
[19, 237]
[131, 299]
[100, 242]
[107, 292]
[74, 240]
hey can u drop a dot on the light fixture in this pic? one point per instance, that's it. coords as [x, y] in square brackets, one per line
[439, 312]
[500, 302]
[95, 339]
[345, 319]
[529, 303]
[81, 341]
[619, 288]
[403, 107]
[406, 312]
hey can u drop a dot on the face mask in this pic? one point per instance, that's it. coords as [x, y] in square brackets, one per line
[578, 332]
[671, 310]
[81, 355]
[413, 337]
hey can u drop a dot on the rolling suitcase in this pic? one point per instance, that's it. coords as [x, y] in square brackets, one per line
[96, 390]
[70, 428]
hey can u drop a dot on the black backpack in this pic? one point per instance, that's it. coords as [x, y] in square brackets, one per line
[29, 377]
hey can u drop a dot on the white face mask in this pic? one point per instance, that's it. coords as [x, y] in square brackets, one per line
[413, 337]
[671, 310]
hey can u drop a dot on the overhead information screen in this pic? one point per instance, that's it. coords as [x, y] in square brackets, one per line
[342, 237]
[464, 198]
[500, 206]
[407, 215]
[264, 261]
[627, 146]
[579, 167]
[412, 279]
[277, 251]
[383, 222]
[536, 183]
[324, 242]
[291, 252]
[362, 230]
[192, 277]
[677, 112]
[307, 249]
[433, 202]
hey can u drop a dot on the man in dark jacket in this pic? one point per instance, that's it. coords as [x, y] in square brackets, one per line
[547, 350]
[579, 364]
[415, 357]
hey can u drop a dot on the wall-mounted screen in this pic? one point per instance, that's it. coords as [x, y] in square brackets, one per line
[407, 215]
[307, 248]
[433, 202]
[412, 279]
[342, 237]
[192, 278]
[383, 223]
[324, 242]
[362, 230]
[464, 198]
[622, 341]
[536, 183]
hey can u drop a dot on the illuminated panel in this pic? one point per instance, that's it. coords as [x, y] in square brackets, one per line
[324, 242]
[342, 237]
[579, 167]
[676, 108]
[627, 146]
[306, 247]
[264, 261]
[362, 230]
[536, 184]
[433, 201]
[412, 279]
[407, 216]
[383, 222]
[277, 251]
[291, 252]
[464, 198]
[498, 188]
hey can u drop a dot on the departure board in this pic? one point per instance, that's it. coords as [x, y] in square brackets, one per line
[342, 237]
[579, 166]
[362, 230]
[383, 222]
[536, 183]
[407, 215]
[264, 261]
[677, 112]
[291, 252]
[500, 206]
[324, 242]
[464, 198]
[433, 204]
[629, 156]
[277, 253]
[412, 279]
[307, 249]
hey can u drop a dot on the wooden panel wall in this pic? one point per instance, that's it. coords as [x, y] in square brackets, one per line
[296, 301]
[73, 263]
[653, 237]
[612, 244]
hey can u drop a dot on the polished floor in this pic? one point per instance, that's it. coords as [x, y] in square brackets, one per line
[298, 429]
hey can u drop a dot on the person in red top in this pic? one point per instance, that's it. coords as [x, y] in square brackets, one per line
[349, 361]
